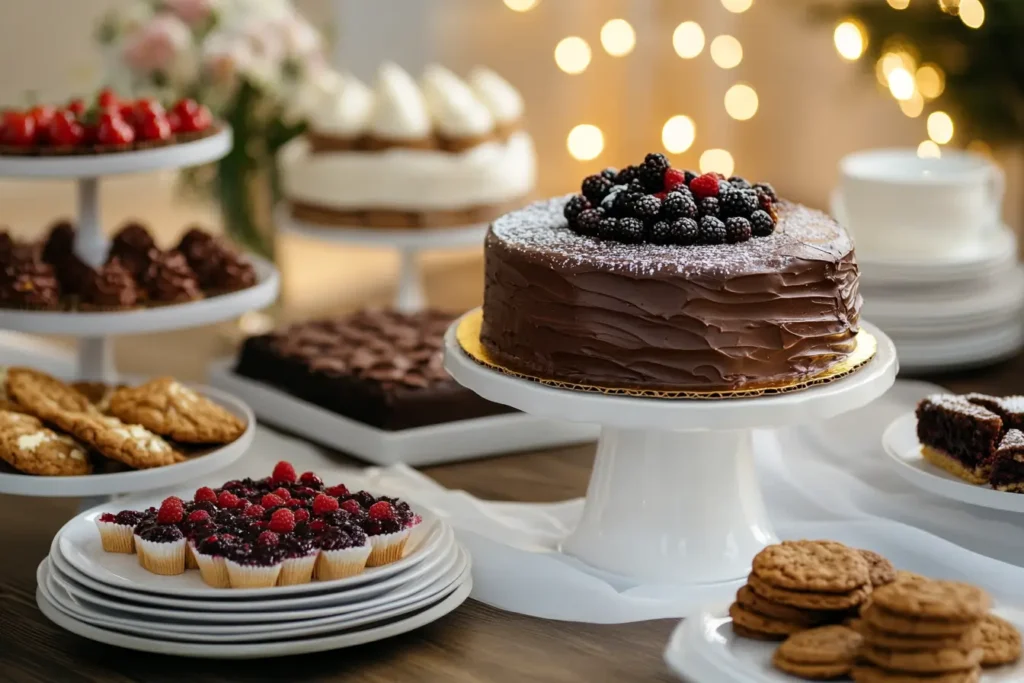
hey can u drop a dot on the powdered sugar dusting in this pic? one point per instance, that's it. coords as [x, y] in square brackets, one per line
[1008, 404]
[960, 404]
[540, 229]
[1014, 439]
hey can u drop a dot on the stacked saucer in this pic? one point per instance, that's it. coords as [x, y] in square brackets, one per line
[109, 598]
[939, 271]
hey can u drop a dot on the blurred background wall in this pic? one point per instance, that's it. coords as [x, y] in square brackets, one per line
[813, 106]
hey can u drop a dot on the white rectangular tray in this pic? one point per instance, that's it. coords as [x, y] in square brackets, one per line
[447, 442]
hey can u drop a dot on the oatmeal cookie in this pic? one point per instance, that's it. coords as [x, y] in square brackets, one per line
[819, 654]
[818, 566]
[169, 408]
[29, 447]
[1000, 641]
[810, 600]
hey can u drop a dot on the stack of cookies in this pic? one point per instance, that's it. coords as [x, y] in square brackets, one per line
[51, 428]
[797, 585]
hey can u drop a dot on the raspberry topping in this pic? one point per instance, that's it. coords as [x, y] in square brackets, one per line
[351, 506]
[295, 503]
[284, 472]
[227, 500]
[282, 521]
[107, 517]
[674, 178]
[272, 501]
[198, 516]
[268, 538]
[310, 479]
[301, 515]
[323, 504]
[338, 491]
[205, 495]
[256, 511]
[705, 185]
[381, 510]
[171, 511]
[282, 493]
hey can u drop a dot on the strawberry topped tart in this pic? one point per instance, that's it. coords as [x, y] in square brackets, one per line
[107, 124]
[282, 530]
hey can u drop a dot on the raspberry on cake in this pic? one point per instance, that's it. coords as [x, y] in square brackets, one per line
[959, 436]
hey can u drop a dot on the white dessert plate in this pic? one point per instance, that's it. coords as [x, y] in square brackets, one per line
[197, 611]
[79, 543]
[904, 454]
[141, 480]
[259, 650]
[704, 648]
[450, 580]
[396, 238]
[963, 351]
[238, 609]
[419, 446]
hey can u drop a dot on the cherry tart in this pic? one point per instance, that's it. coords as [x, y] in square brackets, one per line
[109, 124]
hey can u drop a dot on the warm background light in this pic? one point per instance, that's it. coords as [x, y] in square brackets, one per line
[737, 6]
[688, 39]
[892, 60]
[741, 102]
[618, 37]
[899, 4]
[940, 127]
[972, 13]
[914, 106]
[572, 55]
[979, 147]
[849, 40]
[726, 52]
[931, 81]
[928, 150]
[717, 161]
[901, 84]
[585, 142]
[678, 133]
[521, 5]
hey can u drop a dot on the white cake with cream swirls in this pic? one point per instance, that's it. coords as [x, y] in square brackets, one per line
[441, 152]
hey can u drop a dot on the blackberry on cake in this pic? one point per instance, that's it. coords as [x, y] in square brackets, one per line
[589, 221]
[652, 171]
[737, 230]
[608, 228]
[612, 198]
[741, 183]
[761, 224]
[631, 230]
[627, 174]
[711, 231]
[610, 173]
[678, 205]
[958, 436]
[767, 190]
[1008, 463]
[738, 202]
[645, 206]
[595, 187]
[708, 206]
[660, 233]
[576, 205]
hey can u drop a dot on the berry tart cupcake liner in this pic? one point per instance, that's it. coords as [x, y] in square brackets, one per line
[164, 557]
[342, 563]
[116, 537]
[387, 548]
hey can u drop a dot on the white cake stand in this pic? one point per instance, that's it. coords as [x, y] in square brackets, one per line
[674, 496]
[410, 296]
[95, 359]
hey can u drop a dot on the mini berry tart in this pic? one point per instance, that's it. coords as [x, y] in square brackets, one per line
[300, 557]
[116, 531]
[255, 565]
[209, 556]
[388, 535]
[161, 549]
[343, 552]
[197, 526]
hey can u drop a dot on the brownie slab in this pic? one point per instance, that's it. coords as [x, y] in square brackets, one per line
[1008, 463]
[379, 367]
[959, 436]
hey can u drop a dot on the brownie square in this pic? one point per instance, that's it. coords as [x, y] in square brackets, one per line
[380, 367]
[1008, 463]
[1009, 408]
[959, 436]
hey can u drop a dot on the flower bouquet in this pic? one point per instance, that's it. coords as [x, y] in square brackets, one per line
[257, 64]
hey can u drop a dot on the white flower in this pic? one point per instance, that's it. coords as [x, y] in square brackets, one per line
[156, 45]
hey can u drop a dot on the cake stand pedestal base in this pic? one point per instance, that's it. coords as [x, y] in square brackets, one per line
[673, 497]
[96, 360]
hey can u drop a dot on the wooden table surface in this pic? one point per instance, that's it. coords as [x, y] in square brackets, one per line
[475, 643]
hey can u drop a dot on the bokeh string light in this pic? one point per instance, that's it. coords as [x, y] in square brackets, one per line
[717, 161]
[678, 134]
[726, 52]
[931, 81]
[737, 6]
[929, 150]
[899, 4]
[585, 142]
[850, 40]
[688, 39]
[972, 13]
[940, 127]
[618, 37]
[572, 55]
[521, 5]
[741, 102]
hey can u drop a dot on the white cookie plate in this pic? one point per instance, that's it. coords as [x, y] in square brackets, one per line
[704, 648]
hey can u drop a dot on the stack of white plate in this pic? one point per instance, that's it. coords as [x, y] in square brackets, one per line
[109, 598]
[960, 310]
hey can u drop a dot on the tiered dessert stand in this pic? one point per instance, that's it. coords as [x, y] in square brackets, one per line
[410, 243]
[93, 330]
[674, 496]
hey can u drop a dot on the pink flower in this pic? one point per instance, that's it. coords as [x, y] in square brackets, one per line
[192, 12]
[157, 44]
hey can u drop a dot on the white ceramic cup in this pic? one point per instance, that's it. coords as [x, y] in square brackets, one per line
[895, 203]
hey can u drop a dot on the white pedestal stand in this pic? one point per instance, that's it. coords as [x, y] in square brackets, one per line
[410, 296]
[95, 353]
[673, 497]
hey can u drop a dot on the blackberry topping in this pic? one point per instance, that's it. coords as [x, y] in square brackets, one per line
[337, 517]
[608, 203]
[377, 527]
[741, 183]
[595, 187]
[631, 230]
[364, 498]
[708, 207]
[338, 539]
[737, 229]
[724, 186]
[588, 221]
[296, 546]
[162, 533]
[608, 228]
[218, 544]
[610, 173]
[690, 175]
[194, 530]
[623, 204]
[645, 206]
[686, 231]
[627, 174]
[678, 204]
[576, 205]
[225, 517]
[711, 231]
[738, 203]
[766, 189]
[652, 171]
[129, 517]
[661, 233]
[761, 224]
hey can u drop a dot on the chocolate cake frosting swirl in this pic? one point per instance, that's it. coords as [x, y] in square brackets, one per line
[766, 312]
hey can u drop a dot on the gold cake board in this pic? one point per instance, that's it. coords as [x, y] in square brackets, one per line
[468, 335]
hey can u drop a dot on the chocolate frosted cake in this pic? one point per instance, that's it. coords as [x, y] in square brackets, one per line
[648, 285]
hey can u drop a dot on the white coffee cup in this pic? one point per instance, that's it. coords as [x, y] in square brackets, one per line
[896, 203]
